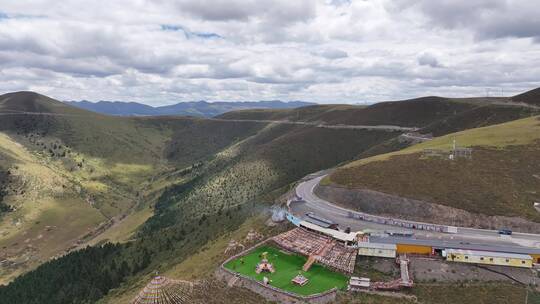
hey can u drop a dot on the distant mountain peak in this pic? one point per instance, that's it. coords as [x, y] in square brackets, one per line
[201, 108]
[28, 101]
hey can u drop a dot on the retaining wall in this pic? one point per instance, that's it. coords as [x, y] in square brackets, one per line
[386, 204]
[267, 291]
[382, 207]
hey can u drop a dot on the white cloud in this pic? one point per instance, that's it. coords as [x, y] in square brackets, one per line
[332, 54]
[429, 59]
[273, 11]
[485, 18]
[167, 51]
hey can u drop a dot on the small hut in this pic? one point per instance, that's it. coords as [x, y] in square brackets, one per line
[162, 290]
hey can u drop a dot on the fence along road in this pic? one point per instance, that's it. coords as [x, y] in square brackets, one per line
[463, 236]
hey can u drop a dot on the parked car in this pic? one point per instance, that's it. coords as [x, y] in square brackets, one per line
[505, 231]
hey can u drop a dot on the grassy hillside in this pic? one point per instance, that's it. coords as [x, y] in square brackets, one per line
[166, 188]
[476, 117]
[49, 213]
[99, 173]
[33, 115]
[264, 162]
[531, 97]
[139, 140]
[436, 115]
[200, 138]
[502, 178]
[32, 102]
[107, 174]
[408, 113]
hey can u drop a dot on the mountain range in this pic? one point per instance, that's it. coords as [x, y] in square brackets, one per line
[91, 205]
[191, 108]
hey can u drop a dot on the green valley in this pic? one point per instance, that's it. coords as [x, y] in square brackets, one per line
[158, 193]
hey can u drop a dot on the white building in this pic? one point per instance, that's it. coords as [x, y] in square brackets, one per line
[488, 258]
[377, 249]
[357, 283]
[346, 238]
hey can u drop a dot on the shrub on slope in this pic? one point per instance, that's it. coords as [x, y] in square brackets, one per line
[500, 179]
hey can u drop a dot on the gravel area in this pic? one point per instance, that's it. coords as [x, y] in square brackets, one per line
[442, 271]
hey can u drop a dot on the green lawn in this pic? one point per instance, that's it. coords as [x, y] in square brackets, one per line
[287, 267]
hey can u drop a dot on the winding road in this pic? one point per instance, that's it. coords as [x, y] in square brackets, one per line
[465, 238]
[323, 125]
[286, 122]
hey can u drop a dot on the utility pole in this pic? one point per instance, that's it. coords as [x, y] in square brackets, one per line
[453, 155]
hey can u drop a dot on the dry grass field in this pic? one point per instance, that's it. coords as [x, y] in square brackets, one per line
[501, 178]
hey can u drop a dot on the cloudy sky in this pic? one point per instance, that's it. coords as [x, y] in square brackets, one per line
[164, 51]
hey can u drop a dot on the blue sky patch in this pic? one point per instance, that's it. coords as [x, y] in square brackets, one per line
[189, 34]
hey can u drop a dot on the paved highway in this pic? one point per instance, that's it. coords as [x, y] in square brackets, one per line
[17, 113]
[467, 238]
[323, 125]
[287, 122]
